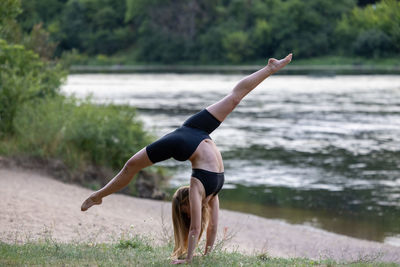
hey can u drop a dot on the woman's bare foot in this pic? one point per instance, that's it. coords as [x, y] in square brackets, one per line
[274, 64]
[90, 201]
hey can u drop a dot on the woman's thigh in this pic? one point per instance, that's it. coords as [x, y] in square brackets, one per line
[140, 160]
[224, 107]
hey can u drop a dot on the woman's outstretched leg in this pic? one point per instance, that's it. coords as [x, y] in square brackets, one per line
[222, 108]
[136, 163]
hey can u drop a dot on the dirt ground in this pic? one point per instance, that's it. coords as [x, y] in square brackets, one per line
[35, 206]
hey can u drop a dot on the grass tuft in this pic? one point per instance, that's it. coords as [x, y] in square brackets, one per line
[135, 242]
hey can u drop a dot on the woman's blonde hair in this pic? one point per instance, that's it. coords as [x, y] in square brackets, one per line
[181, 221]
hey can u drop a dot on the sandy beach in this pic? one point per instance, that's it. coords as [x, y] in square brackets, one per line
[35, 206]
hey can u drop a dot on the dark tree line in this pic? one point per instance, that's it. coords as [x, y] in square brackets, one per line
[210, 31]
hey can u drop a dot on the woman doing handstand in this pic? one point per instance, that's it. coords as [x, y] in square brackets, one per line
[192, 142]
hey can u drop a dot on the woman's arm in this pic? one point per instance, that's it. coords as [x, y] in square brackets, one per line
[195, 200]
[195, 217]
[212, 224]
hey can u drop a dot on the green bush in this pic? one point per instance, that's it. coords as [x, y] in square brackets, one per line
[73, 57]
[79, 132]
[23, 77]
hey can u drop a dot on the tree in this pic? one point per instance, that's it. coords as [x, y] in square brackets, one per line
[307, 27]
[170, 30]
[381, 21]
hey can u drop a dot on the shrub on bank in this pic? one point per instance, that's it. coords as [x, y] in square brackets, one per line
[23, 78]
[79, 132]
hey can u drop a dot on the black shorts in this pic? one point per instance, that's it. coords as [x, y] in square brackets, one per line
[181, 143]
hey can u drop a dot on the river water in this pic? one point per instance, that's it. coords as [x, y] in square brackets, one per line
[319, 151]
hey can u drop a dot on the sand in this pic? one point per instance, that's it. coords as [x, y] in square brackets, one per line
[35, 206]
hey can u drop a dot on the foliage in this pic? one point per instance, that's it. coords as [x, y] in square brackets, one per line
[79, 132]
[373, 30]
[237, 46]
[217, 31]
[306, 27]
[74, 57]
[343, 60]
[9, 9]
[23, 77]
[40, 42]
[9, 29]
[94, 26]
[37, 12]
[373, 43]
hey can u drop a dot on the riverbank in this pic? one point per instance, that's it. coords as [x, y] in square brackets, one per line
[323, 70]
[35, 206]
[328, 65]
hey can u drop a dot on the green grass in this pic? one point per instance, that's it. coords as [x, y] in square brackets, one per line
[340, 60]
[126, 58]
[138, 251]
[328, 65]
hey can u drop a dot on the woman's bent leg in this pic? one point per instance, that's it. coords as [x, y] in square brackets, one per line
[136, 163]
[222, 108]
